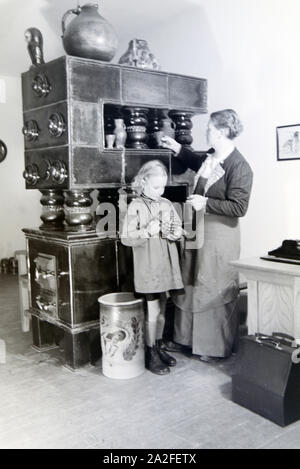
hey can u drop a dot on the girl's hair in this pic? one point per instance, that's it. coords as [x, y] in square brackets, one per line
[153, 167]
[229, 120]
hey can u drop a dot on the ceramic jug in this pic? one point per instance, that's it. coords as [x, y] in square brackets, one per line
[89, 34]
[167, 127]
[120, 133]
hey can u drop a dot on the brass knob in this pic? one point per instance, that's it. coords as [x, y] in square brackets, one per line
[59, 172]
[51, 307]
[31, 130]
[3, 151]
[43, 274]
[62, 274]
[47, 273]
[41, 85]
[45, 169]
[31, 174]
[56, 124]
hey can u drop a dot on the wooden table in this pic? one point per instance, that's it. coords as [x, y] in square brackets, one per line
[273, 296]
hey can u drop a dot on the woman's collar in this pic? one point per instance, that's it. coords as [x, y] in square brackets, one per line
[144, 196]
[222, 160]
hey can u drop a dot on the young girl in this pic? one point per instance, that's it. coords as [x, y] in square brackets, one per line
[151, 227]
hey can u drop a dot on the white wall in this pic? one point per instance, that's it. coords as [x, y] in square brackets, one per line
[18, 208]
[249, 52]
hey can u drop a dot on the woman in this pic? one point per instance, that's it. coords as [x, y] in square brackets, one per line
[206, 318]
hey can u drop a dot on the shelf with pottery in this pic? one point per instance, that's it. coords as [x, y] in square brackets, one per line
[69, 104]
[142, 127]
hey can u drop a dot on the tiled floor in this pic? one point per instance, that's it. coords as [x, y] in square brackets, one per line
[43, 405]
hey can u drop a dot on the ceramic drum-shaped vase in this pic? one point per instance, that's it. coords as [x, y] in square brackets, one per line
[122, 335]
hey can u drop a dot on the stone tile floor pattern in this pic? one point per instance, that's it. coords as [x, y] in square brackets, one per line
[44, 405]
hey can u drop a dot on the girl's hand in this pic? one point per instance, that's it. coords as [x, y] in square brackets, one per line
[176, 234]
[171, 144]
[153, 227]
[198, 202]
[171, 231]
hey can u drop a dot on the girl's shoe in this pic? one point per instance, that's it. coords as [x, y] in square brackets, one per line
[154, 362]
[165, 357]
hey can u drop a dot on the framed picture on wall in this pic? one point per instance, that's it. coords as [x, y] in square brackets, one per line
[288, 142]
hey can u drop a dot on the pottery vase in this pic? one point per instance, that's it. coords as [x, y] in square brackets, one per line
[110, 140]
[157, 136]
[139, 55]
[122, 335]
[120, 133]
[89, 34]
[167, 127]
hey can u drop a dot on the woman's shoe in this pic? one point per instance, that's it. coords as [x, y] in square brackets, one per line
[173, 347]
[207, 359]
[165, 357]
[154, 363]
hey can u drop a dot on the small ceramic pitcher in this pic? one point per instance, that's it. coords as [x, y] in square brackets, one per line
[120, 133]
[167, 127]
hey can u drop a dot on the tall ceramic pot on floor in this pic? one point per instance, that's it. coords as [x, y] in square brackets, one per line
[89, 34]
[120, 133]
[122, 335]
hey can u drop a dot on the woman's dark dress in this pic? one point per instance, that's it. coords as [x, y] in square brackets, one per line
[206, 317]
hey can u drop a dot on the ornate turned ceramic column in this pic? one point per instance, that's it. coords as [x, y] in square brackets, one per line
[136, 119]
[107, 195]
[112, 209]
[78, 210]
[53, 215]
[183, 123]
[107, 212]
[153, 128]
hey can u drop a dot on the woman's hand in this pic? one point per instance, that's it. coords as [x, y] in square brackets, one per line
[171, 144]
[198, 202]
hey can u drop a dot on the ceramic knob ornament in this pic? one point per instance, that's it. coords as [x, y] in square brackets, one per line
[3, 151]
[89, 35]
[34, 41]
[139, 55]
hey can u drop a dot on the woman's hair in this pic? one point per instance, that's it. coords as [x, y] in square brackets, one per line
[153, 167]
[229, 120]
